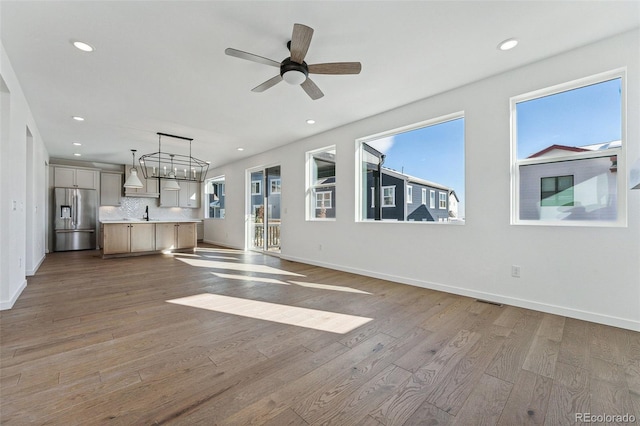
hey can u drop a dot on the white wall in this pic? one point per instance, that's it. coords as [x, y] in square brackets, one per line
[591, 273]
[20, 254]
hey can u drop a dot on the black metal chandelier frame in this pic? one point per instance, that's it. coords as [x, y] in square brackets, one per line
[161, 164]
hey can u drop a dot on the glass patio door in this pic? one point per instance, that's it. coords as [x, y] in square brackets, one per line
[263, 232]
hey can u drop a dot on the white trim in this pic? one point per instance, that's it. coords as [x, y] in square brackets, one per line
[382, 188]
[32, 272]
[432, 199]
[323, 200]
[409, 194]
[271, 182]
[441, 199]
[621, 187]
[8, 304]
[424, 196]
[259, 182]
[625, 323]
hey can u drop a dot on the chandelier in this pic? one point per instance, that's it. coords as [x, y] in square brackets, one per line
[171, 168]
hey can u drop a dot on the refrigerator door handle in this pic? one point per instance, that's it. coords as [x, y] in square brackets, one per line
[75, 209]
[68, 231]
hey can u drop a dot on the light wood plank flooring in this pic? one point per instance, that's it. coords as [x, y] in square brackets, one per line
[227, 337]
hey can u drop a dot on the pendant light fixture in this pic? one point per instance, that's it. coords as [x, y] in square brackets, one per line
[133, 181]
[170, 183]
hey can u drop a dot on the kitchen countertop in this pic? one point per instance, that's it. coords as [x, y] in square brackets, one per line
[150, 221]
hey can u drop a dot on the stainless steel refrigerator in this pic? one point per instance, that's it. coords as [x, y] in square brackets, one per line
[74, 221]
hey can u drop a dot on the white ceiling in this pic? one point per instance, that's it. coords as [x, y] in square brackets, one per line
[159, 66]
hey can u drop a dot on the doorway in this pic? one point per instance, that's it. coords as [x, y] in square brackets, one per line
[263, 230]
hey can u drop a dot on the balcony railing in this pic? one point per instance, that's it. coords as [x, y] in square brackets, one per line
[273, 235]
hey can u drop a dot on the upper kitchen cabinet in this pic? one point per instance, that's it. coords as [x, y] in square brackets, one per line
[110, 188]
[71, 177]
[189, 195]
[149, 186]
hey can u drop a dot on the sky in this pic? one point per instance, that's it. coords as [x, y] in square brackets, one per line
[434, 153]
[584, 116]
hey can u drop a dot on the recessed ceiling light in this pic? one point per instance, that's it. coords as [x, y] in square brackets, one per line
[311, 121]
[508, 44]
[208, 162]
[75, 117]
[83, 46]
[240, 149]
[77, 154]
[77, 144]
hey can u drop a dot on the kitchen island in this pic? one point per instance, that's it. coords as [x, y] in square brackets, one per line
[130, 237]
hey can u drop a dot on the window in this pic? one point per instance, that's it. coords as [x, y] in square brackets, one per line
[256, 187]
[443, 200]
[323, 200]
[321, 183]
[556, 191]
[276, 185]
[566, 143]
[418, 157]
[388, 196]
[214, 192]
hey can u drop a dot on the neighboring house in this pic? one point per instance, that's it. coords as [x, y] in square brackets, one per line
[216, 200]
[580, 189]
[258, 193]
[405, 197]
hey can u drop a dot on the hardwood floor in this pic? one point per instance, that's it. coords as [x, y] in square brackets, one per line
[227, 337]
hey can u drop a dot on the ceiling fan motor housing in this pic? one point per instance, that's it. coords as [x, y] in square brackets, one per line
[293, 72]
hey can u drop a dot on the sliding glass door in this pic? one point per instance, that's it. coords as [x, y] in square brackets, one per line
[263, 230]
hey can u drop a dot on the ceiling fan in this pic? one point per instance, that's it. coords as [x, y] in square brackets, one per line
[294, 70]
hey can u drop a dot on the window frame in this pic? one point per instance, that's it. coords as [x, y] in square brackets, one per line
[382, 196]
[442, 197]
[279, 186]
[409, 194]
[222, 185]
[621, 180]
[259, 185]
[313, 188]
[323, 193]
[432, 199]
[424, 196]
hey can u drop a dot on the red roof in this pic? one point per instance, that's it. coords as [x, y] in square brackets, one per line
[561, 147]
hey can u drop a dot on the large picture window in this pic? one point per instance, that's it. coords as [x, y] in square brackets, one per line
[214, 191]
[424, 158]
[321, 184]
[567, 145]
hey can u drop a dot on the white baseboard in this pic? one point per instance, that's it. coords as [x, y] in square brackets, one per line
[8, 304]
[221, 244]
[32, 272]
[521, 303]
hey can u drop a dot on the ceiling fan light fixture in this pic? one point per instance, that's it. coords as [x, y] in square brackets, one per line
[294, 77]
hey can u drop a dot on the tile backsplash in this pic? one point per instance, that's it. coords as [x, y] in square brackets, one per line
[133, 208]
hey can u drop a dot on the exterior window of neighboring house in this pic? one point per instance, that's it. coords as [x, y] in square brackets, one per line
[275, 186]
[323, 200]
[424, 158]
[256, 187]
[443, 200]
[566, 143]
[556, 191]
[321, 184]
[214, 192]
[388, 196]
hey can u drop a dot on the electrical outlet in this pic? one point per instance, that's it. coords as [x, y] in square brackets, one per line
[515, 271]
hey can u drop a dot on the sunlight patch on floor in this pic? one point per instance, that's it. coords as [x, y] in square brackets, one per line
[248, 278]
[329, 287]
[283, 314]
[244, 267]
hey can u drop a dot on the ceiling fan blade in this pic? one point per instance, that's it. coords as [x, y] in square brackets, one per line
[251, 57]
[312, 90]
[336, 68]
[267, 84]
[300, 41]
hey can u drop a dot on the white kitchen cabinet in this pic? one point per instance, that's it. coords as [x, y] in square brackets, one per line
[110, 188]
[168, 198]
[71, 177]
[149, 186]
[189, 195]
